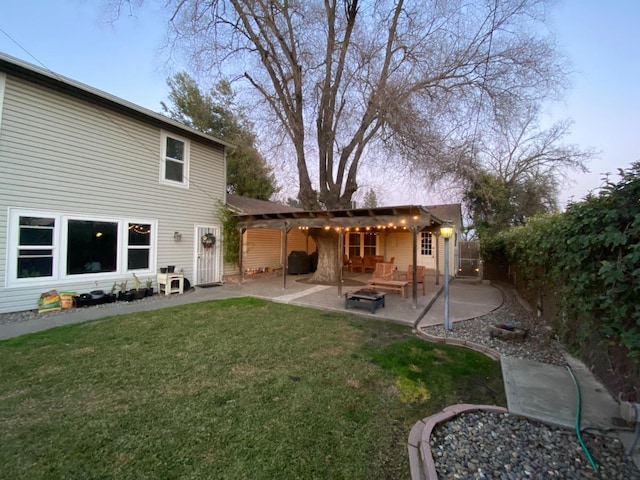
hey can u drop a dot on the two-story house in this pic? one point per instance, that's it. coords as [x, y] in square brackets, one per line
[94, 188]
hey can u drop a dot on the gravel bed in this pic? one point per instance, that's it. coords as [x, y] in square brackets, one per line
[27, 315]
[539, 344]
[478, 445]
[485, 445]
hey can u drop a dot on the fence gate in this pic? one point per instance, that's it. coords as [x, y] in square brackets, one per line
[469, 259]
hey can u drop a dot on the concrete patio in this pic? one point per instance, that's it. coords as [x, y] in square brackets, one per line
[468, 299]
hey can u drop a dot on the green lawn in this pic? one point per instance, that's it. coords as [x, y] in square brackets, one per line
[234, 389]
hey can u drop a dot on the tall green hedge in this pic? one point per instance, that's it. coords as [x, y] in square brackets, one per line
[589, 256]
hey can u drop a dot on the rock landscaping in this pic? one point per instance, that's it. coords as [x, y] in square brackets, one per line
[484, 445]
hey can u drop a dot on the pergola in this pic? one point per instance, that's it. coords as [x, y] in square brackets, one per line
[413, 218]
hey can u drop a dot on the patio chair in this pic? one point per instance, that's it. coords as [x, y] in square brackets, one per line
[383, 271]
[369, 262]
[421, 272]
[357, 264]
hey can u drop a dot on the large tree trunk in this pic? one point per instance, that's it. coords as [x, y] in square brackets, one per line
[328, 255]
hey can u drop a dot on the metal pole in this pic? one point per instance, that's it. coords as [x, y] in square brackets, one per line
[414, 286]
[340, 263]
[437, 236]
[447, 323]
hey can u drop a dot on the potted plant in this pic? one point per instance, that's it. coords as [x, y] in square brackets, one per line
[111, 296]
[149, 284]
[138, 292]
[123, 295]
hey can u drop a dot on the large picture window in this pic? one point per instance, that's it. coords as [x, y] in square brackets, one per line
[59, 246]
[175, 160]
[92, 247]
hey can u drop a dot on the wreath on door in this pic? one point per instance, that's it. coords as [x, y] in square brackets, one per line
[208, 240]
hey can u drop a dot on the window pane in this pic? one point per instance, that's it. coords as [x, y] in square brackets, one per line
[138, 259]
[173, 171]
[36, 236]
[35, 263]
[425, 244]
[36, 231]
[92, 247]
[175, 148]
[369, 244]
[354, 245]
[139, 234]
[37, 222]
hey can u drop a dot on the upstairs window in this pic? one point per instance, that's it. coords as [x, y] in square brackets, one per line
[175, 161]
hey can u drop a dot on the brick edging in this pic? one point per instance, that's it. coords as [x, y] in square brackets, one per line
[428, 424]
[489, 352]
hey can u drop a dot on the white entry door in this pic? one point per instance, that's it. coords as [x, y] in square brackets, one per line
[207, 262]
[427, 250]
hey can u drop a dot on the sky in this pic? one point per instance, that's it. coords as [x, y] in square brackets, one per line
[73, 38]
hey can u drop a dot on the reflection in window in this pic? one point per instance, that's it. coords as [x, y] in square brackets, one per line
[92, 247]
[174, 158]
[139, 247]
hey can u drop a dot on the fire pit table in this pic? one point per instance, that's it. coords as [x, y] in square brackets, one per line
[364, 298]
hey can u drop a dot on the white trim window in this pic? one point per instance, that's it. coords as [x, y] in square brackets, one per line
[174, 169]
[45, 246]
[426, 243]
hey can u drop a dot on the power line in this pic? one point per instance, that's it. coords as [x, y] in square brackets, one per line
[102, 112]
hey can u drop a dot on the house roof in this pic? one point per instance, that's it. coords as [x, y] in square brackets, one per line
[451, 211]
[251, 206]
[59, 83]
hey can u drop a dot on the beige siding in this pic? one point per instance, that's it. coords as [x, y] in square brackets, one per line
[63, 155]
[263, 248]
[297, 240]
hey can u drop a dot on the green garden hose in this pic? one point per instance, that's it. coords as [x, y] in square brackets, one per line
[578, 408]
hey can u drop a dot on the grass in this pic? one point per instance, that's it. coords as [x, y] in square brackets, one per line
[233, 389]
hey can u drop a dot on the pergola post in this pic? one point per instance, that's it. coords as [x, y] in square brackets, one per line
[340, 263]
[241, 230]
[414, 285]
[437, 235]
[285, 230]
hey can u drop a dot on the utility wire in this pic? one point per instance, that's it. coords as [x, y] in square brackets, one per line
[104, 113]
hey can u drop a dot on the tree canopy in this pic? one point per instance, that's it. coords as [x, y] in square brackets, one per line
[341, 79]
[349, 83]
[517, 171]
[216, 113]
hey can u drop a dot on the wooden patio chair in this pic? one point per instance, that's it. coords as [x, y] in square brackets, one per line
[369, 262]
[383, 271]
[357, 264]
[421, 272]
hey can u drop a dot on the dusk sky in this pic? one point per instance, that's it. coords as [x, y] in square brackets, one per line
[602, 39]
